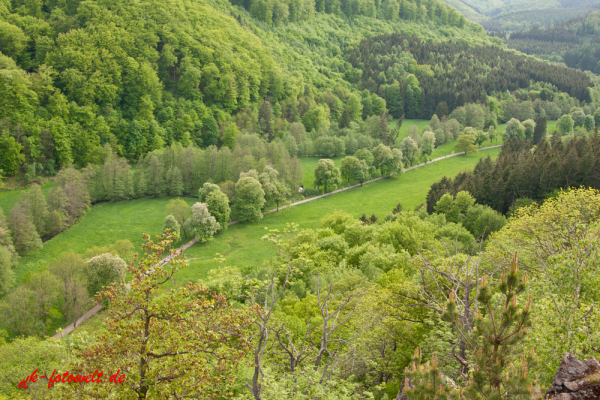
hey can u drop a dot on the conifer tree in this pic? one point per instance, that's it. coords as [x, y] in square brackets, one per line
[24, 233]
[410, 106]
[442, 109]
[38, 208]
[57, 220]
[430, 383]
[139, 184]
[8, 256]
[541, 128]
[393, 98]
[499, 368]
[345, 119]
[174, 182]
[373, 219]
[74, 185]
[363, 218]
[154, 177]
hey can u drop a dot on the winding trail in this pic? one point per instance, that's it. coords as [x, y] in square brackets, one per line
[93, 311]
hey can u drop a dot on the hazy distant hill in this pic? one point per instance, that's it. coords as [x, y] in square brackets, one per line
[515, 15]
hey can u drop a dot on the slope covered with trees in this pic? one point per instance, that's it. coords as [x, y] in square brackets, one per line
[574, 42]
[348, 304]
[451, 72]
[139, 75]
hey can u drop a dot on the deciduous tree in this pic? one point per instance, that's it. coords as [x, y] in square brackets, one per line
[201, 224]
[565, 124]
[349, 164]
[249, 199]
[179, 209]
[24, 234]
[38, 208]
[172, 225]
[103, 270]
[185, 343]
[327, 175]
[410, 150]
[466, 143]
[73, 299]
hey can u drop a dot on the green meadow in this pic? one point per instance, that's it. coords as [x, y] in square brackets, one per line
[102, 225]
[107, 223]
[10, 197]
[242, 246]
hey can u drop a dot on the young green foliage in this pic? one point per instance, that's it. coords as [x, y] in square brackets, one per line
[185, 342]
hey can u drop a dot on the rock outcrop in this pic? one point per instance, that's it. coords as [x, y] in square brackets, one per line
[576, 380]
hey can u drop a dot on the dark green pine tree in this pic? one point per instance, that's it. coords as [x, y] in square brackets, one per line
[210, 131]
[427, 108]
[373, 219]
[385, 130]
[410, 108]
[363, 218]
[393, 98]
[442, 110]
[265, 119]
[346, 119]
[367, 110]
[499, 368]
[461, 100]
[541, 127]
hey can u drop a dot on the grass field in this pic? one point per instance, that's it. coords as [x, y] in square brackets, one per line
[241, 243]
[107, 223]
[103, 225]
[10, 197]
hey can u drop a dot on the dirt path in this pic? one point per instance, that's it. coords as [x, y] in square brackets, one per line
[189, 244]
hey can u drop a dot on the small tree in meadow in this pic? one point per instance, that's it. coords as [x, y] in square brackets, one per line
[103, 270]
[249, 199]
[172, 225]
[201, 224]
[327, 175]
[466, 143]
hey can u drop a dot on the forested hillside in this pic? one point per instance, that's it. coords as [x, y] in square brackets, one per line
[160, 156]
[453, 73]
[574, 42]
[139, 75]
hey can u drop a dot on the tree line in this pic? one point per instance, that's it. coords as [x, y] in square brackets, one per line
[173, 171]
[281, 12]
[523, 173]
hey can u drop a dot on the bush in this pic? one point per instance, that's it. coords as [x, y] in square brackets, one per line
[103, 270]
[310, 192]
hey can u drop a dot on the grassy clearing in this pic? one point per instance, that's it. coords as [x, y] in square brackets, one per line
[107, 223]
[241, 243]
[10, 197]
[103, 225]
